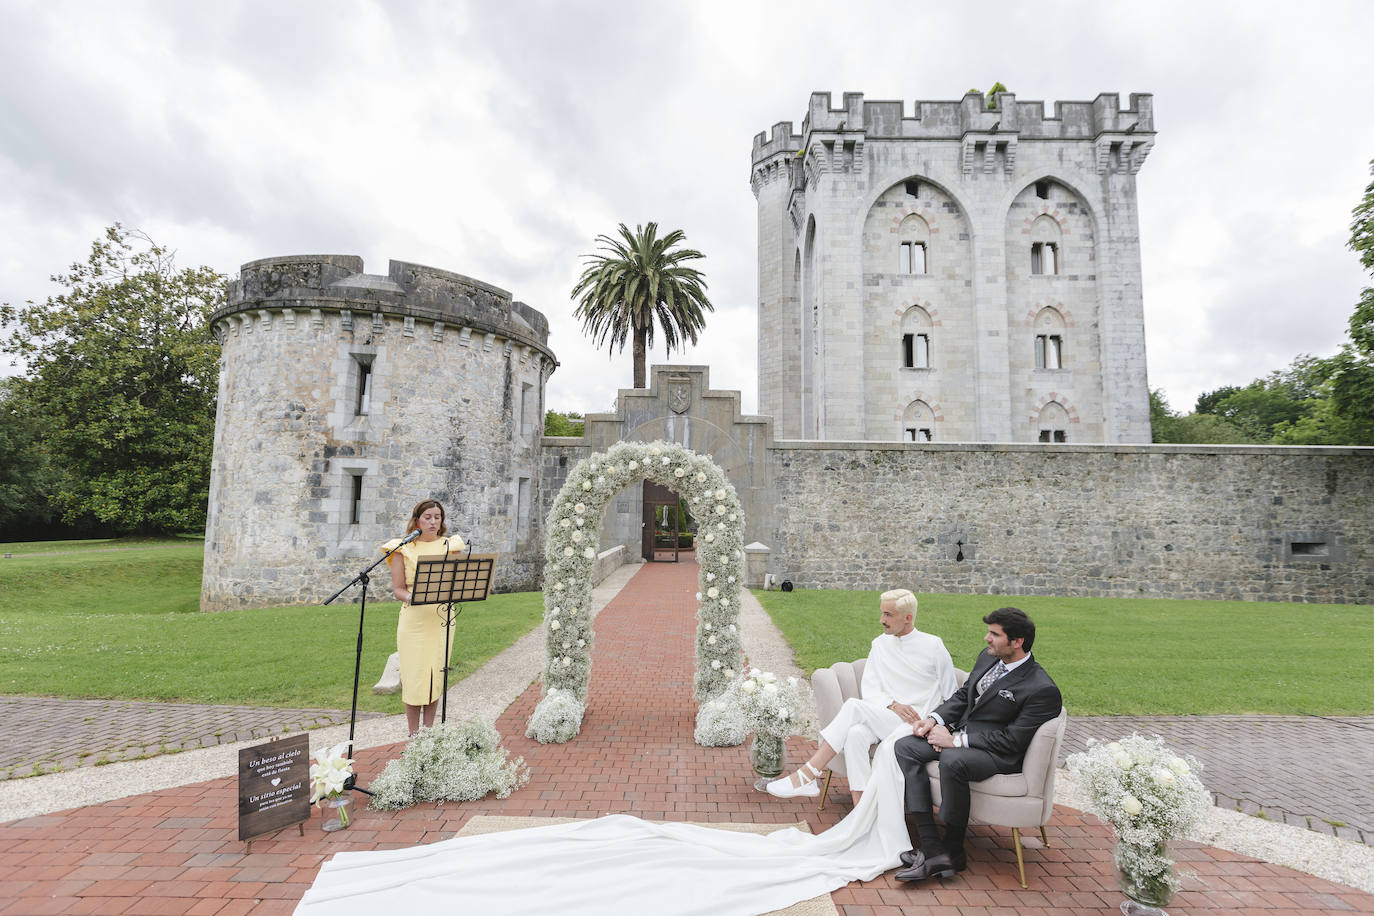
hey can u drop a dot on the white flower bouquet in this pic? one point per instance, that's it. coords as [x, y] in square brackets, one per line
[757, 702]
[328, 776]
[329, 772]
[456, 761]
[1149, 795]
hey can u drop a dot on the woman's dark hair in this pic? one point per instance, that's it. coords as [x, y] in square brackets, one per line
[1015, 624]
[420, 508]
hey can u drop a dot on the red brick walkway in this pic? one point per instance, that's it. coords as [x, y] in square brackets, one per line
[176, 851]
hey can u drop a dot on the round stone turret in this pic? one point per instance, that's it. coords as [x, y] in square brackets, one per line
[347, 397]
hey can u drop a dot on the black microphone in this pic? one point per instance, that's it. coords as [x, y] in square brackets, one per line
[409, 537]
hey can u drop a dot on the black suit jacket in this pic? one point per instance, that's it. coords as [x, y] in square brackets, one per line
[1003, 721]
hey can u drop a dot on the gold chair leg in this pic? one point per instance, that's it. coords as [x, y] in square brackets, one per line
[825, 790]
[1044, 839]
[1020, 863]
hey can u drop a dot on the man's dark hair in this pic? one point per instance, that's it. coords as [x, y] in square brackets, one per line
[1015, 624]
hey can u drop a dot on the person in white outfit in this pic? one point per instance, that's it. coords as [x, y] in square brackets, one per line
[908, 674]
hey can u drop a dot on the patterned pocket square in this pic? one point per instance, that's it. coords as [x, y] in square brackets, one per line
[1006, 695]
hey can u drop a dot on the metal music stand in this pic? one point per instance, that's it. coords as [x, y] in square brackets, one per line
[457, 578]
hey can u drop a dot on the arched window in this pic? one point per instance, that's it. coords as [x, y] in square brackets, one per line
[913, 237]
[1053, 423]
[918, 422]
[1045, 249]
[1049, 339]
[916, 328]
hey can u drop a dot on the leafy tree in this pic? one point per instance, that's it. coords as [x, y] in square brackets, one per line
[1208, 400]
[1161, 416]
[1350, 384]
[639, 284]
[121, 376]
[25, 474]
[1194, 428]
[1268, 404]
[563, 424]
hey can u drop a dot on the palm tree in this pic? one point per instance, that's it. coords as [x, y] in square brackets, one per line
[639, 283]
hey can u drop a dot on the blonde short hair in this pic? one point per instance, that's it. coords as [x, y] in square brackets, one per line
[902, 599]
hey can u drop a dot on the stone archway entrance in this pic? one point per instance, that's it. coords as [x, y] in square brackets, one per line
[571, 549]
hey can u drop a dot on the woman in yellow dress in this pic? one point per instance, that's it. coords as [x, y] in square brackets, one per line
[420, 630]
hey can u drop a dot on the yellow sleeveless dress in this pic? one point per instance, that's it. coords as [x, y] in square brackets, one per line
[420, 630]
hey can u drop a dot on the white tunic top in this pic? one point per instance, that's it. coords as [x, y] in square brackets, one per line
[914, 669]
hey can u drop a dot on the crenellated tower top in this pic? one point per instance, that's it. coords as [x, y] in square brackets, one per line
[1122, 137]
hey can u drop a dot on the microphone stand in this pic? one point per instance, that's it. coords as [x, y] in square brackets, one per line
[361, 579]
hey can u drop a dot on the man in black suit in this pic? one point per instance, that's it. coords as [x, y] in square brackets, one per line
[982, 730]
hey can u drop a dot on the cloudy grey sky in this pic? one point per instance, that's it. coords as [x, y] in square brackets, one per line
[498, 139]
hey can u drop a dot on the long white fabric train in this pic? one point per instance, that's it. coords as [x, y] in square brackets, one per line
[624, 864]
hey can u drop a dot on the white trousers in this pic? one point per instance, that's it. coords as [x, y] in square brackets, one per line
[857, 727]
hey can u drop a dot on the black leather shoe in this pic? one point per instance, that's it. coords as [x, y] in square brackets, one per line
[916, 857]
[935, 867]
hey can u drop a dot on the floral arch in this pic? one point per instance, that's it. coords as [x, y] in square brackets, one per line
[573, 528]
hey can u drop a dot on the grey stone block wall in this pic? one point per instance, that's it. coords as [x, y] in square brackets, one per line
[1219, 522]
[1128, 521]
[455, 412]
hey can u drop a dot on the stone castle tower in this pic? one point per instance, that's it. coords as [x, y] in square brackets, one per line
[963, 273]
[344, 399]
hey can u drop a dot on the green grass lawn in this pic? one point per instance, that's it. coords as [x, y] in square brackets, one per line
[126, 624]
[1127, 656]
[19, 548]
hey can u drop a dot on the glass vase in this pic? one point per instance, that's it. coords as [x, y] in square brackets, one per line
[766, 753]
[337, 812]
[1146, 876]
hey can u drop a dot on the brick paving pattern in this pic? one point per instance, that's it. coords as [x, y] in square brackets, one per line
[176, 851]
[1249, 764]
[46, 734]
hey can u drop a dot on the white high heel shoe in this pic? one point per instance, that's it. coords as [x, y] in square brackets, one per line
[810, 788]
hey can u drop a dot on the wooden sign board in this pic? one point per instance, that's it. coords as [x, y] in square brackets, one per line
[274, 786]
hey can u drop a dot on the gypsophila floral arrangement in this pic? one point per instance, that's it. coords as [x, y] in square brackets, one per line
[573, 530]
[457, 761]
[556, 719]
[757, 702]
[328, 774]
[1149, 795]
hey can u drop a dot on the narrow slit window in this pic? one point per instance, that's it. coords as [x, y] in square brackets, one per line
[362, 405]
[355, 501]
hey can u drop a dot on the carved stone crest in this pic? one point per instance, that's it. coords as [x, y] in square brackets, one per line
[679, 395]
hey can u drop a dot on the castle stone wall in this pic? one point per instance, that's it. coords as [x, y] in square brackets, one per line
[454, 411]
[1270, 524]
[1227, 522]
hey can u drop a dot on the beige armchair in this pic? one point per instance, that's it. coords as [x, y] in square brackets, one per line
[832, 686]
[1017, 800]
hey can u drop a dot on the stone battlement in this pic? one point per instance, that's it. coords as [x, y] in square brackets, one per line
[408, 291]
[954, 120]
